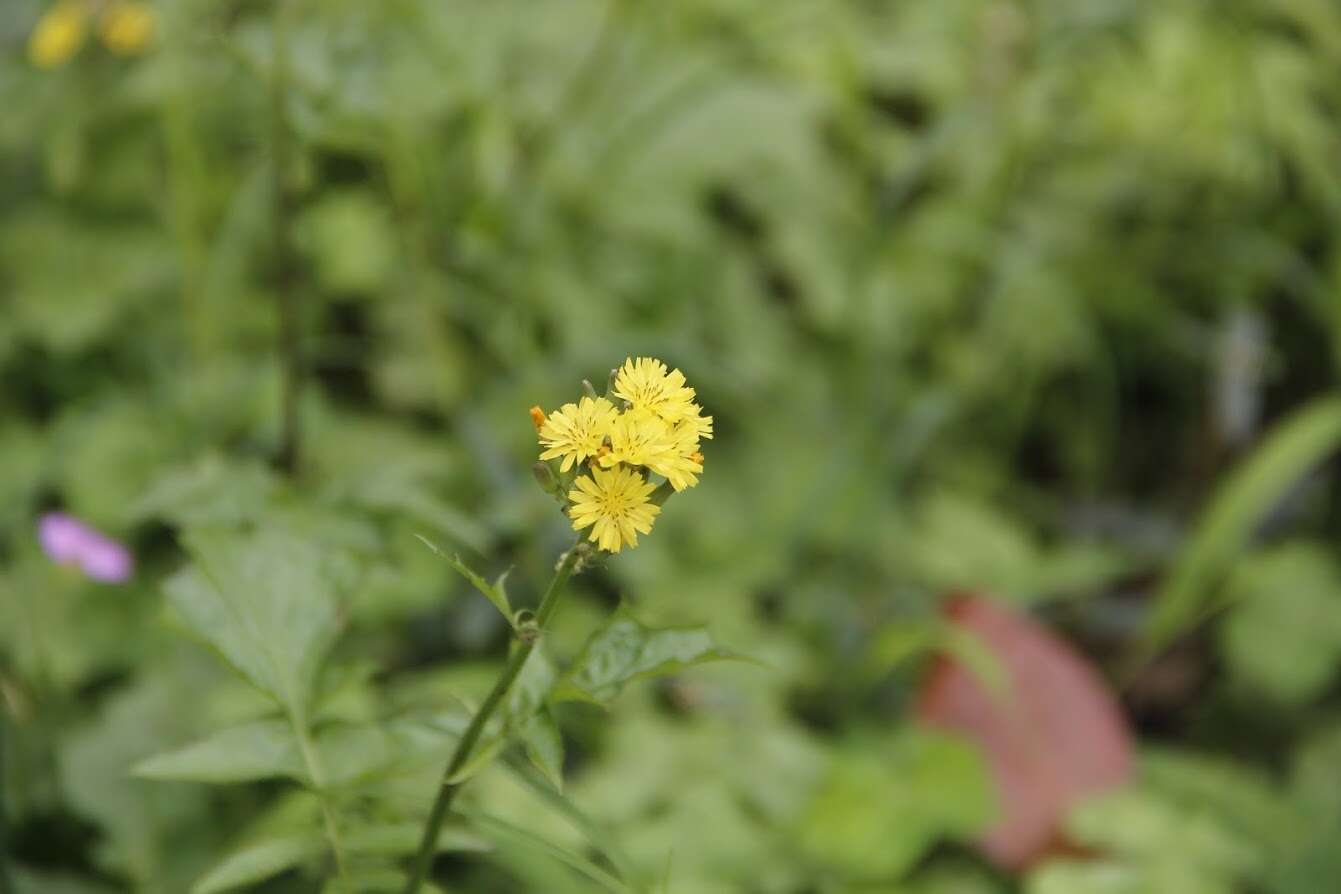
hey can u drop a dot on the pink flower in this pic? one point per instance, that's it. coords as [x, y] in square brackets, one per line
[68, 541]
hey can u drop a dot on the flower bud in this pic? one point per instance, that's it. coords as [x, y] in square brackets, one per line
[544, 476]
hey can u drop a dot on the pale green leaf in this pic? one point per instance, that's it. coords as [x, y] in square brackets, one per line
[929, 786]
[544, 746]
[510, 836]
[260, 750]
[375, 881]
[262, 601]
[1283, 634]
[258, 861]
[402, 839]
[1116, 877]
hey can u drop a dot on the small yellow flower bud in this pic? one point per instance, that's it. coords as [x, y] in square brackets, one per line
[58, 36]
[127, 27]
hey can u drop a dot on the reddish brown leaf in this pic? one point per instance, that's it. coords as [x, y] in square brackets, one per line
[1052, 736]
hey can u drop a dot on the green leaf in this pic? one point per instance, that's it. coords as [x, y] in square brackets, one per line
[1283, 635]
[258, 861]
[600, 837]
[211, 491]
[529, 695]
[544, 746]
[495, 592]
[625, 649]
[261, 600]
[1294, 447]
[1117, 877]
[375, 881]
[260, 750]
[400, 839]
[882, 808]
[507, 835]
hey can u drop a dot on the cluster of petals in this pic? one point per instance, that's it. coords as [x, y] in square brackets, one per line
[650, 424]
[126, 28]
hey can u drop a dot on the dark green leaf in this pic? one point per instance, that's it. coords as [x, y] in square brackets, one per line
[1294, 448]
[625, 649]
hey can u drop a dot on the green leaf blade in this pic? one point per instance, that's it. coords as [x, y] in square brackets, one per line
[262, 750]
[262, 602]
[625, 650]
[495, 593]
[258, 861]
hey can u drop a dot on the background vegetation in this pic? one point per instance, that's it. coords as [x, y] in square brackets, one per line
[1038, 299]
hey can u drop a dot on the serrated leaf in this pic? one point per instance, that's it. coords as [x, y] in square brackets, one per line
[212, 491]
[262, 601]
[625, 650]
[495, 592]
[261, 750]
[258, 861]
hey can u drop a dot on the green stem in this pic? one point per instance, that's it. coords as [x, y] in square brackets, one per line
[317, 774]
[285, 264]
[6, 883]
[448, 789]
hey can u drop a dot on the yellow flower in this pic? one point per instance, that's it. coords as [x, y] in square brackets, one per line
[701, 425]
[682, 463]
[127, 27]
[648, 387]
[613, 502]
[637, 439]
[58, 36]
[576, 431]
[641, 439]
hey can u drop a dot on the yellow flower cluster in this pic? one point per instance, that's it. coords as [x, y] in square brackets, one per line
[610, 447]
[126, 27]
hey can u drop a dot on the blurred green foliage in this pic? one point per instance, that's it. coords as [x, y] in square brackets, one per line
[982, 294]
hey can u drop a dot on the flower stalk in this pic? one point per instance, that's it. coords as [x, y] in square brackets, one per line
[502, 686]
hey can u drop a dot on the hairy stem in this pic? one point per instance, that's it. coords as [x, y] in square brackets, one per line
[448, 789]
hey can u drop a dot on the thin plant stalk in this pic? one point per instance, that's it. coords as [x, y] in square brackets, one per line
[285, 281]
[448, 789]
[6, 882]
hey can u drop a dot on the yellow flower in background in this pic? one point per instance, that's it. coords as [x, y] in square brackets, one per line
[127, 28]
[577, 431]
[614, 504]
[59, 34]
[649, 387]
